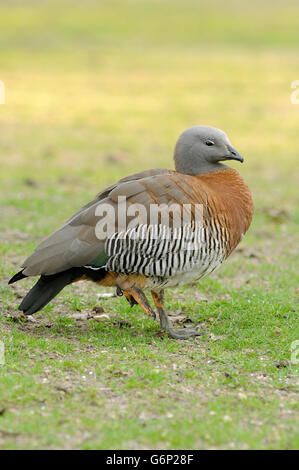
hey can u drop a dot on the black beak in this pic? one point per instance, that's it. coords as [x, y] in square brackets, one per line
[234, 155]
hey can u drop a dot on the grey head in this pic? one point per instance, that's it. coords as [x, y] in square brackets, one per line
[200, 149]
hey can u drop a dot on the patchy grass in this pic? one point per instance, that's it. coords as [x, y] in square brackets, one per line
[97, 94]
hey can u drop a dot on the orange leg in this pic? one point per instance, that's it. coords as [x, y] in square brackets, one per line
[158, 299]
[130, 299]
[128, 296]
[140, 298]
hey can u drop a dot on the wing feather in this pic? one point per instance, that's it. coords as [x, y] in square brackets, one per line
[76, 243]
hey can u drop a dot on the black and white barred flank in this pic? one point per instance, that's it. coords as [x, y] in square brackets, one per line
[159, 252]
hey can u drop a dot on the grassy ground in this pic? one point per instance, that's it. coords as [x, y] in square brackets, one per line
[98, 91]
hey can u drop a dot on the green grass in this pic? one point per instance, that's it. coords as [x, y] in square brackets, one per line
[96, 92]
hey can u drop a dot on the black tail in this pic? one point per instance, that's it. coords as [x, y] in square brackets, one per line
[17, 277]
[47, 287]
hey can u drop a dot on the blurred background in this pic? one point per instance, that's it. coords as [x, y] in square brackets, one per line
[96, 90]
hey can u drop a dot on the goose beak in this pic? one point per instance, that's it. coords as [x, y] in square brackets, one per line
[234, 155]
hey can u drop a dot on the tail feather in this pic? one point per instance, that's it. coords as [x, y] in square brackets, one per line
[17, 277]
[46, 288]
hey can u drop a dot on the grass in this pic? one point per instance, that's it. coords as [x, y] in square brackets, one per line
[95, 93]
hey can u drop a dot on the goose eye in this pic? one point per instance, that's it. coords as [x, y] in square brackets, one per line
[210, 142]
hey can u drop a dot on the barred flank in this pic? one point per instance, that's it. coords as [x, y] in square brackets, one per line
[156, 251]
